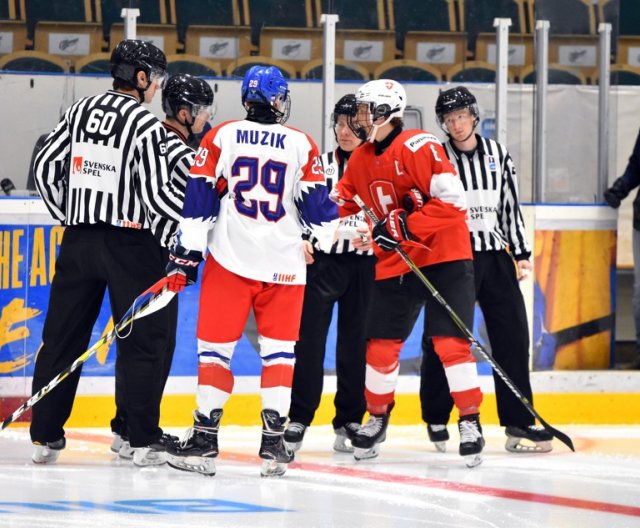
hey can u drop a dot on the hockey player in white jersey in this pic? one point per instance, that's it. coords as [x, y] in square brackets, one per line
[255, 185]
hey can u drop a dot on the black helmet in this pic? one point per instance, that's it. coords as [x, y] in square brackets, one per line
[457, 98]
[185, 90]
[345, 106]
[131, 56]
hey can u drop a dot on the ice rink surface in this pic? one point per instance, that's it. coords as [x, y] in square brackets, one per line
[408, 485]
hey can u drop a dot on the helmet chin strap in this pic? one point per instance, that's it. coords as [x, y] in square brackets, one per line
[141, 91]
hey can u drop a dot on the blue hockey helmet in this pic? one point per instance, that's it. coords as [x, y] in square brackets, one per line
[266, 85]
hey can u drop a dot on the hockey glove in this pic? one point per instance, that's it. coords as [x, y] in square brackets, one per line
[389, 232]
[182, 269]
[616, 193]
[612, 198]
[413, 200]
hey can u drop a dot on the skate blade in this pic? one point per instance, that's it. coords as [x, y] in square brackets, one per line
[204, 466]
[360, 453]
[48, 456]
[522, 445]
[272, 468]
[472, 461]
[340, 445]
[293, 446]
[441, 447]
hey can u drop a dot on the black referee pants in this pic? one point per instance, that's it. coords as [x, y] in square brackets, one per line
[91, 258]
[346, 279]
[502, 304]
[119, 421]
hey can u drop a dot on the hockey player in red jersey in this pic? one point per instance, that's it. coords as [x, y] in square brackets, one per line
[404, 176]
[254, 186]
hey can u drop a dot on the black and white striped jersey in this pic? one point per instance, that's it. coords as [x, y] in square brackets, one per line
[493, 210]
[180, 157]
[106, 162]
[334, 166]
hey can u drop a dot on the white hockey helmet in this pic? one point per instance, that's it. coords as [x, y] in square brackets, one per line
[385, 99]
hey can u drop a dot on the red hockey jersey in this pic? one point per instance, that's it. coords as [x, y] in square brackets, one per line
[414, 159]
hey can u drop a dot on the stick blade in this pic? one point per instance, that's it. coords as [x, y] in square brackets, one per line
[558, 434]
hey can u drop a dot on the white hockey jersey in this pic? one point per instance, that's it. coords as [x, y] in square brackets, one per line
[252, 190]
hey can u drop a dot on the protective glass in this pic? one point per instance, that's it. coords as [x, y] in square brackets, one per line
[160, 77]
[203, 112]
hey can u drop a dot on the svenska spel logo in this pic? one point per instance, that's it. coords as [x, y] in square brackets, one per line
[77, 164]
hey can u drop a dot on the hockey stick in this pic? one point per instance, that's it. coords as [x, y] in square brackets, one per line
[148, 302]
[465, 330]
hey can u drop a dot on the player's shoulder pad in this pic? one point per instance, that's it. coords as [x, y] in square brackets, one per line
[414, 143]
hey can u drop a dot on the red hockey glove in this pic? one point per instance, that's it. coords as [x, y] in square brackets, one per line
[413, 201]
[182, 269]
[389, 232]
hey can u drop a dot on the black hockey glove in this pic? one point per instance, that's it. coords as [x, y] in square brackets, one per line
[413, 200]
[616, 193]
[389, 232]
[182, 269]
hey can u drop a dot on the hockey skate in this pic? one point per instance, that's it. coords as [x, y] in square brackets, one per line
[344, 434]
[439, 435]
[366, 441]
[294, 435]
[471, 439]
[154, 454]
[48, 452]
[121, 446]
[199, 448]
[528, 439]
[273, 449]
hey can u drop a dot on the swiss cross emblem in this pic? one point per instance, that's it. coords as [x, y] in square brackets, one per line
[389, 85]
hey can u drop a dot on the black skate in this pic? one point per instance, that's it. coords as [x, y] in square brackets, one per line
[471, 439]
[48, 452]
[294, 435]
[273, 449]
[121, 446]
[439, 435]
[155, 454]
[368, 437]
[199, 448]
[344, 434]
[528, 439]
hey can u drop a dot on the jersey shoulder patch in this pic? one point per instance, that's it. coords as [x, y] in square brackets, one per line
[419, 140]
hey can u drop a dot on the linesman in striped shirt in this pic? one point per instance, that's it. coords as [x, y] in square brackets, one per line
[187, 102]
[501, 259]
[102, 173]
[342, 273]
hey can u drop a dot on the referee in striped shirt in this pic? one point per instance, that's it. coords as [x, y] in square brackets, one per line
[342, 274]
[102, 173]
[187, 102]
[498, 239]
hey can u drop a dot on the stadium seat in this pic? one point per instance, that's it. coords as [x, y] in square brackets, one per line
[13, 36]
[345, 71]
[557, 74]
[472, 71]
[12, 10]
[440, 50]
[223, 44]
[422, 15]
[566, 17]
[33, 61]
[192, 64]
[206, 13]
[407, 70]
[363, 14]
[62, 12]
[365, 47]
[623, 75]
[297, 46]
[520, 54]
[96, 63]
[283, 13]
[478, 17]
[623, 15]
[239, 67]
[70, 40]
[164, 36]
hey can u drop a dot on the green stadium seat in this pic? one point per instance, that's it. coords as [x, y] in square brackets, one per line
[33, 61]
